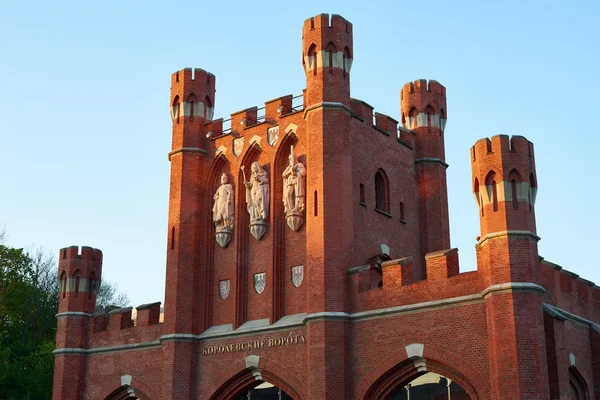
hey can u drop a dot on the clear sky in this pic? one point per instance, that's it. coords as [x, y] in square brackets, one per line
[85, 127]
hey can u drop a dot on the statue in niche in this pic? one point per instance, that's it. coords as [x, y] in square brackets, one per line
[294, 192]
[257, 199]
[223, 211]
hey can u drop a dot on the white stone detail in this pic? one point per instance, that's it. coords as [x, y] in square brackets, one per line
[223, 214]
[572, 359]
[322, 58]
[420, 364]
[221, 150]
[291, 128]
[297, 275]
[423, 119]
[252, 361]
[255, 139]
[415, 350]
[385, 249]
[504, 192]
[260, 282]
[224, 287]
[238, 146]
[273, 135]
[126, 380]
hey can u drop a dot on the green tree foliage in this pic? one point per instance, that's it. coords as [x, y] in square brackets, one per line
[28, 307]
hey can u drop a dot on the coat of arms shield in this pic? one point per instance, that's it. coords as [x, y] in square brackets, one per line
[224, 289]
[238, 146]
[297, 275]
[260, 281]
[273, 135]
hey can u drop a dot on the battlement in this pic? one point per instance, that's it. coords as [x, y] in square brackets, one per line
[569, 291]
[321, 21]
[197, 75]
[503, 145]
[87, 253]
[386, 124]
[423, 85]
[399, 286]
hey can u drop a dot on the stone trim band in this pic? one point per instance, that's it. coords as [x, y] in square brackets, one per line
[302, 319]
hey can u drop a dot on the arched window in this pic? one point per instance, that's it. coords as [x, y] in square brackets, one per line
[381, 192]
[77, 278]
[579, 389]
[477, 195]
[91, 285]
[514, 178]
[312, 58]
[532, 191]
[490, 185]
[208, 109]
[192, 103]
[430, 112]
[346, 60]
[330, 50]
[63, 284]
[175, 109]
[412, 118]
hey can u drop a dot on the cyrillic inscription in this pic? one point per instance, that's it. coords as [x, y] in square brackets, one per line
[287, 340]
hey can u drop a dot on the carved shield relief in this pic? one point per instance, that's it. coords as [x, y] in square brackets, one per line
[224, 289]
[238, 146]
[297, 275]
[273, 135]
[260, 281]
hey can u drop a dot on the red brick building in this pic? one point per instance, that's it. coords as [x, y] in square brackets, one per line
[308, 247]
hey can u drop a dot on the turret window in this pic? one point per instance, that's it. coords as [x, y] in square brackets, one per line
[362, 194]
[77, 278]
[492, 190]
[63, 284]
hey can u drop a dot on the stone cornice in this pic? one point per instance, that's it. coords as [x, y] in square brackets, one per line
[512, 233]
[74, 314]
[328, 104]
[186, 150]
[429, 160]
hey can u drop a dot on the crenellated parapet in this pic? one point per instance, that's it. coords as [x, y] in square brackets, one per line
[399, 286]
[570, 292]
[423, 104]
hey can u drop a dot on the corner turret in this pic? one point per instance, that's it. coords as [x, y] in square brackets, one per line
[79, 279]
[423, 109]
[192, 105]
[327, 52]
[504, 184]
[79, 276]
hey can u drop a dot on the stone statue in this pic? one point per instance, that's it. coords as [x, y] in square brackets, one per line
[294, 191]
[257, 199]
[223, 211]
[223, 207]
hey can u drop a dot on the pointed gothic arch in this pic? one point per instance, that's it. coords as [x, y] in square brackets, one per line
[408, 363]
[252, 371]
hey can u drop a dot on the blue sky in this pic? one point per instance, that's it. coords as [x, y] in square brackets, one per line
[85, 127]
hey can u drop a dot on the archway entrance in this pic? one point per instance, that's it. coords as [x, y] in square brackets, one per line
[430, 386]
[265, 391]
